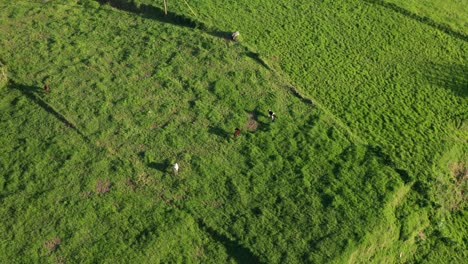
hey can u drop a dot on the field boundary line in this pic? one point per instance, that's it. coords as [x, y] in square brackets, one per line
[422, 19]
[306, 99]
[314, 102]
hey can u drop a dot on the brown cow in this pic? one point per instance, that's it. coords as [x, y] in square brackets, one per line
[236, 133]
[46, 88]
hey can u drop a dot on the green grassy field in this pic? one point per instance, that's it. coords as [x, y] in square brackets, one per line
[395, 79]
[365, 163]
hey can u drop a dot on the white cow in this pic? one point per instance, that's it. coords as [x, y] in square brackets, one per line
[235, 35]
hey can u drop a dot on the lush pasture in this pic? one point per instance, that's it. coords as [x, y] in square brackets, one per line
[365, 173]
[86, 167]
[392, 77]
[393, 80]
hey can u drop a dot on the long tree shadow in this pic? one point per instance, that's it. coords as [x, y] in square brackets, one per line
[32, 92]
[156, 13]
[425, 20]
[451, 77]
[238, 252]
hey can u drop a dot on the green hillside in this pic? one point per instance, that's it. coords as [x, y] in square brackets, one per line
[367, 160]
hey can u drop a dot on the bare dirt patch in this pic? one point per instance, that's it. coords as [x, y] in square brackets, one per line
[459, 173]
[52, 244]
[252, 123]
[199, 252]
[102, 186]
[131, 185]
[421, 235]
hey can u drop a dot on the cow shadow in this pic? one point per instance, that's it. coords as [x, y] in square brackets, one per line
[160, 166]
[221, 34]
[217, 131]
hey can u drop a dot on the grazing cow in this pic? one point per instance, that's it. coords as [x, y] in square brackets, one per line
[236, 133]
[272, 115]
[235, 35]
[46, 88]
[176, 168]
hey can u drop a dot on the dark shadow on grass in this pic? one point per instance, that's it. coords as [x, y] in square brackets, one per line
[404, 175]
[299, 96]
[156, 13]
[256, 57]
[315, 243]
[34, 93]
[451, 77]
[221, 34]
[327, 200]
[425, 20]
[257, 211]
[374, 150]
[217, 131]
[257, 113]
[235, 250]
[162, 166]
[192, 103]
[386, 160]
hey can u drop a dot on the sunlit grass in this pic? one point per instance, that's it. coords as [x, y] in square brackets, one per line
[89, 164]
